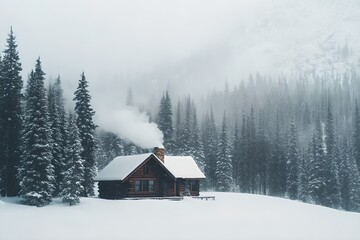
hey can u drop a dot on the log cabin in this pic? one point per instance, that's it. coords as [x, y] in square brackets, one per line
[149, 175]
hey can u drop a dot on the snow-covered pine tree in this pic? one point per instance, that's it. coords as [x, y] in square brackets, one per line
[165, 123]
[262, 155]
[236, 156]
[57, 121]
[60, 109]
[73, 174]
[36, 171]
[292, 163]
[210, 140]
[356, 136]
[344, 178]
[183, 128]
[109, 146]
[196, 145]
[244, 164]
[56, 139]
[303, 192]
[354, 187]
[252, 161]
[224, 168]
[86, 127]
[332, 161]
[277, 165]
[10, 118]
[316, 177]
[349, 178]
[2, 151]
[178, 138]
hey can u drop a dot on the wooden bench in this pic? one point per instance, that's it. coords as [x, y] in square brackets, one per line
[205, 197]
[175, 198]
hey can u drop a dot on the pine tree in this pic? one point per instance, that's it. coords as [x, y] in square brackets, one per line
[36, 171]
[316, 177]
[244, 163]
[10, 118]
[303, 191]
[55, 140]
[292, 163]
[356, 136]
[224, 168]
[178, 139]
[187, 125]
[354, 187]
[57, 123]
[165, 123]
[332, 160]
[73, 175]
[344, 178]
[262, 155]
[252, 163]
[236, 156]
[349, 178]
[277, 165]
[86, 128]
[210, 140]
[196, 145]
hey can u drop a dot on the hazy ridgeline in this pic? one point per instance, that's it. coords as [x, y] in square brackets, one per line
[267, 157]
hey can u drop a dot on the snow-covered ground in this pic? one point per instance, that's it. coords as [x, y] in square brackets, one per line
[230, 216]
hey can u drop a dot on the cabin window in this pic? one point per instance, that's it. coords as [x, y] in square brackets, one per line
[144, 185]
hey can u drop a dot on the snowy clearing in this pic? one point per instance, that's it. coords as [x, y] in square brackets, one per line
[230, 216]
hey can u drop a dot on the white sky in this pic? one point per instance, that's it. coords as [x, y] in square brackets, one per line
[187, 46]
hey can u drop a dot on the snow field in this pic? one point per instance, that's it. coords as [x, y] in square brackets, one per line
[230, 216]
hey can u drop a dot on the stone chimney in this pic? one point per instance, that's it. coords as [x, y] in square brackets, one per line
[160, 153]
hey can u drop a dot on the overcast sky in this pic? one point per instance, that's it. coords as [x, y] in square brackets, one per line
[186, 46]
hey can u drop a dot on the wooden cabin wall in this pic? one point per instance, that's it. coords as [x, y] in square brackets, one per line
[112, 189]
[163, 183]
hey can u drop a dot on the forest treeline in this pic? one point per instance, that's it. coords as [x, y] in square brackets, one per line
[45, 151]
[295, 137]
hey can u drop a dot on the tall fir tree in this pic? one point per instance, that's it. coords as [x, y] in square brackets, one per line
[356, 136]
[332, 161]
[263, 155]
[210, 140]
[10, 118]
[73, 174]
[277, 165]
[178, 139]
[317, 178]
[165, 123]
[57, 121]
[292, 163]
[224, 168]
[36, 171]
[244, 163]
[236, 155]
[196, 144]
[86, 127]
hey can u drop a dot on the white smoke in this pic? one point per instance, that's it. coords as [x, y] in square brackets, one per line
[130, 124]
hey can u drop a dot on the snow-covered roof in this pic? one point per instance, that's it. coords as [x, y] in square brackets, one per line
[121, 167]
[183, 167]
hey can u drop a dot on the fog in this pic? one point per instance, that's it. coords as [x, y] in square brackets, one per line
[181, 46]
